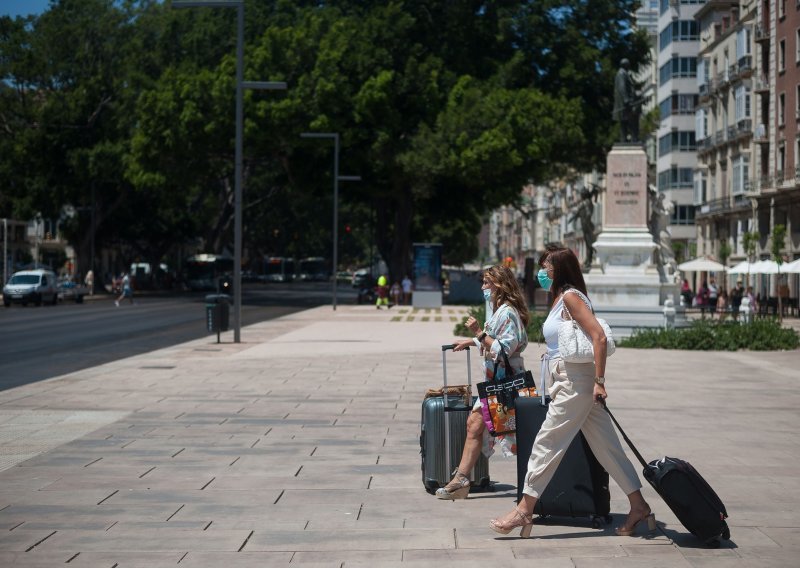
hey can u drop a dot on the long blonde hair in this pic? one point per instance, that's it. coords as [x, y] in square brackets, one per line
[508, 291]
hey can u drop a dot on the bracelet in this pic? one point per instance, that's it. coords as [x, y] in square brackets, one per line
[482, 336]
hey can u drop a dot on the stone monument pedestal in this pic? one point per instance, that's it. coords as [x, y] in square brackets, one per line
[623, 276]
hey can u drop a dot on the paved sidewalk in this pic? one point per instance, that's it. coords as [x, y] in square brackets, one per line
[301, 447]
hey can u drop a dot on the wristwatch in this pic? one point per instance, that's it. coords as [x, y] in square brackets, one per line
[600, 380]
[482, 336]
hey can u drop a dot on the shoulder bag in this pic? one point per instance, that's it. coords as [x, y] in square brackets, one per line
[573, 343]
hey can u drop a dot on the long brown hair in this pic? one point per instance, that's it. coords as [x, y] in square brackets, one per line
[566, 269]
[508, 291]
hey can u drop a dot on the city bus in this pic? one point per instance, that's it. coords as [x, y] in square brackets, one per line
[277, 269]
[314, 269]
[203, 271]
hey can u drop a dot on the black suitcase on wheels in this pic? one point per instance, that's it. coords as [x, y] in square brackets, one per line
[579, 487]
[690, 497]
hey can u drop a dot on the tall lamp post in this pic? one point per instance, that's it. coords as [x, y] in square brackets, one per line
[237, 191]
[336, 179]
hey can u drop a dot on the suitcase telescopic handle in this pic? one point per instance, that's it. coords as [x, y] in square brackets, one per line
[445, 349]
[625, 437]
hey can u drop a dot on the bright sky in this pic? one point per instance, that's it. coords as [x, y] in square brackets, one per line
[15, 8]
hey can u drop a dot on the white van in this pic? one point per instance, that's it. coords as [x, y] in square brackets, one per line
[34, 286]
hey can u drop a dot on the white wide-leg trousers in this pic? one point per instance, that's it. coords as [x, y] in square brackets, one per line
[572, 408]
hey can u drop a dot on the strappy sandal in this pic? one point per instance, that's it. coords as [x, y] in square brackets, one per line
[458, 488]
[520, 520]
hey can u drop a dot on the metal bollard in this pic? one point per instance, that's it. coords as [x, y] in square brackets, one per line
[669, 313]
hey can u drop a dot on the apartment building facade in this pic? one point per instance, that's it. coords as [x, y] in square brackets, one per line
[725, 126]
[677, 99]
[748, 173]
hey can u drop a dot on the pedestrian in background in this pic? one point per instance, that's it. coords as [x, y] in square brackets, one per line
[713, 294]
[382, 291]
[686, 293]
[396, 292]
[407, 287]
[722, 304]
[127, 290]
[89, 281]
[702, 298]
[736, 299]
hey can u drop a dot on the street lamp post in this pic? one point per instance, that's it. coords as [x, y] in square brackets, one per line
[237, 191]
[5, 250]
[336, 179]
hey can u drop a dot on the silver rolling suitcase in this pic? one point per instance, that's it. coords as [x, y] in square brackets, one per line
[443, 432]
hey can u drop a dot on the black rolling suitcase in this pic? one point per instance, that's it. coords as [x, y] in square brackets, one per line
[443, 433]
[690, 497]
[579, 487]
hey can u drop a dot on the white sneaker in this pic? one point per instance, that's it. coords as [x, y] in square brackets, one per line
[116, 303]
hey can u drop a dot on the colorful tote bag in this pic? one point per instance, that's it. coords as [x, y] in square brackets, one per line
[498, 398]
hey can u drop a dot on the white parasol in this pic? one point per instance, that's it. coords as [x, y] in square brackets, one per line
[744, 267]
[766, 267]
[792, 267]
[702, 264]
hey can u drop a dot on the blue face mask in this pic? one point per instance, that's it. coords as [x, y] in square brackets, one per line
[544, 280]
[487, 294]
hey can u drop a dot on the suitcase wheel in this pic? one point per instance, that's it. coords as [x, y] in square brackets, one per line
[598, 520]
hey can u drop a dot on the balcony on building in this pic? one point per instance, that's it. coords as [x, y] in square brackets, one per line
[745, 66]
[719, 137]
[715, 207]
[733, 72]
[744, 126]
[761, 33]
[762, 85]
[761, 134]
[723, 80]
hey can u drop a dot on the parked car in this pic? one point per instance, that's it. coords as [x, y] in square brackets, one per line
[31, 286]
[362, 278]
[69, 290]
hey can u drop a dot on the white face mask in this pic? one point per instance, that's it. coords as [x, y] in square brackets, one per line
[487, 294]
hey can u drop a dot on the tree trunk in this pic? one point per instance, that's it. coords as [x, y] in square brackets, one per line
[393, 233]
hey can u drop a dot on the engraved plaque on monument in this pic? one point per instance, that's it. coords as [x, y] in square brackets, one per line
[624, 276]
[626, 194]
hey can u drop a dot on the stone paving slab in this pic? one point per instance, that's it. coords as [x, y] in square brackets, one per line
[300, 446]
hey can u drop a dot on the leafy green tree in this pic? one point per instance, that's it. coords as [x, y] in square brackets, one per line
[750, 245]
[777, 244]
[444, 108]
[724, 251]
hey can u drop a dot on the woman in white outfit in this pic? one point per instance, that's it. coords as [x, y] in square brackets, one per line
[577, 393]
[506, 328]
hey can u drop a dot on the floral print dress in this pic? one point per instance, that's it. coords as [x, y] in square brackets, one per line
[506, 328]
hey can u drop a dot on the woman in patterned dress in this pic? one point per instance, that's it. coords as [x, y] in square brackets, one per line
[506, 327]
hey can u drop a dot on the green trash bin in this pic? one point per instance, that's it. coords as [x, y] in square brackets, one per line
[217, 313]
